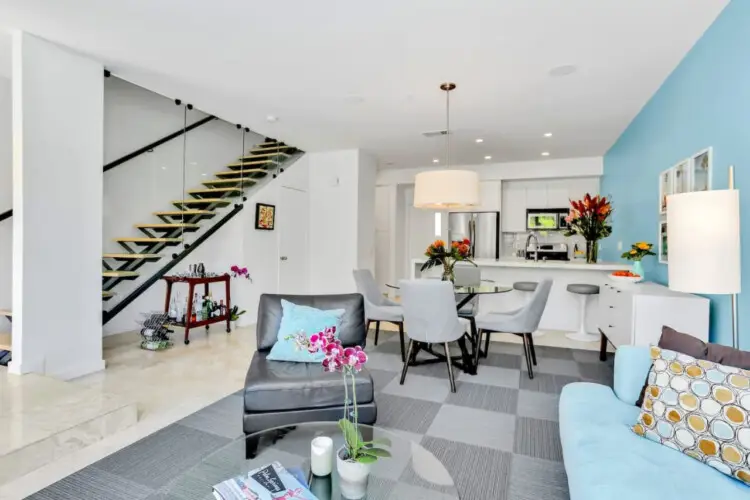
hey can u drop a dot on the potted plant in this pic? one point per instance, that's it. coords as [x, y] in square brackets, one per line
[240, 272]
[356, 456]
[589, 217]
[636, 254]
[438, 254]
[234, 315]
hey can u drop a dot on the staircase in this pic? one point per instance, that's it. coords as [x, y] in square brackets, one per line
[189, 215]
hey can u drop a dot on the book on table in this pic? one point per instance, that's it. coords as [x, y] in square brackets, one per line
[270, 482]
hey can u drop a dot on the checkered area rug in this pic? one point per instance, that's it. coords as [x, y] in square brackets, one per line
[498, 435]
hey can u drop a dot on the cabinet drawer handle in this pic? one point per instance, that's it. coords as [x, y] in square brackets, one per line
[611, 307]
[611, 326]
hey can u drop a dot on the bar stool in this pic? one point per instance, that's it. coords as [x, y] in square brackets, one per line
[584, 291]
[527, 288]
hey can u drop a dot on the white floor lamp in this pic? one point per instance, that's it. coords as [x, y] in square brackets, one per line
[703, 231]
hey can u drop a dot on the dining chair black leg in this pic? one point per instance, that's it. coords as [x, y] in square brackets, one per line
[450, 367]
[527, 354]
[401, 336]
[486, 345]
[377, 331]
[406, 364]
[531, 346]
[478, 346]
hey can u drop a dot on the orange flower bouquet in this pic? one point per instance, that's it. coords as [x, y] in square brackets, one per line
[589, 217]
[439, 254]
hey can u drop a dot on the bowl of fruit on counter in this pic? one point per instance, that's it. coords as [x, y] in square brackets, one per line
[625, 276]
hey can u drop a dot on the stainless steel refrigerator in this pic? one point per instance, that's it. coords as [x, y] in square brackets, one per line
[481, 228]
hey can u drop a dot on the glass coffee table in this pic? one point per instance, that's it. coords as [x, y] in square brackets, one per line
[412, 472]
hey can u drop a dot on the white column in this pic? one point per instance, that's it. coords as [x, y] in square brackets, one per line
[57, 210]
[342, 218]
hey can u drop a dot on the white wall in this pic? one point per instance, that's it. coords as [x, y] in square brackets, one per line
[342, 218]
[57, 206]
[6, 197]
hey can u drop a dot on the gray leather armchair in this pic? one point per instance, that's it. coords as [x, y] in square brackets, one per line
[280, 393]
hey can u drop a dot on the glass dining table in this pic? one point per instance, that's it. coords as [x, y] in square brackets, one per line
[469, 359]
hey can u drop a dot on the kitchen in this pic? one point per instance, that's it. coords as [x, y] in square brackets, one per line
[501, 230]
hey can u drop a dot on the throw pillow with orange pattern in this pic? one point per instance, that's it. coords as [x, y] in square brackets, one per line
[700, 408]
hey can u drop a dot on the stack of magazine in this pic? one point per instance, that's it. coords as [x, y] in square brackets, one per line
[270, 482]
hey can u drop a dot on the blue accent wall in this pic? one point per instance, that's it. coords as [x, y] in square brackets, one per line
[704, 102]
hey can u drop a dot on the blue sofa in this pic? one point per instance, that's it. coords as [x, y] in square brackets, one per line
[605, 460]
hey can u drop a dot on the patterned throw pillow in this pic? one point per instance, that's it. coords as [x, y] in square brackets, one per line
[300, 323]
[700, 408]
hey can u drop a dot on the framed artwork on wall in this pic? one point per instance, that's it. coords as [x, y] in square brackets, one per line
[265, 216]
[663, 243]
[681, 177]
[700, 170]
[666, 187]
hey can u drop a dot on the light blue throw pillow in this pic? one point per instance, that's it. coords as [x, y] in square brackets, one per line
[298, 319]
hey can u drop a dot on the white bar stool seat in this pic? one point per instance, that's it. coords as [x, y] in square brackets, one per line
[583, 291]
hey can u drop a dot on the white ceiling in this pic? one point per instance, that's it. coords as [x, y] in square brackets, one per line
[349, 73]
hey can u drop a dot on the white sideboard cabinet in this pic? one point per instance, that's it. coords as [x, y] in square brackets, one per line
[634, 314]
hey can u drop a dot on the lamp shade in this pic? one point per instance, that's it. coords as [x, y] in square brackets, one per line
[446, 189]
[703, 230]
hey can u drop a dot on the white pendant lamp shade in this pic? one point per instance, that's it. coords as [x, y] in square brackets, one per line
[446, 189]
[703, 230]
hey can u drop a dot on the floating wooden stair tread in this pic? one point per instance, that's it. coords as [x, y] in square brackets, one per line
[247, 172]
[120, 274]
[175, 225]
[5, 339]
[203, 201]
[271, 147]
[219, 191]
[264, 155]
[6, 312]
[107, 295]
[240, 164]
[229, 181]
[149, 240]
[178, 213]
[131, 256]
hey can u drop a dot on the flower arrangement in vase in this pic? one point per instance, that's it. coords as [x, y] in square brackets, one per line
[354, 458]
[589, 217]
[438, 254]
[636, 254]
[240, 272]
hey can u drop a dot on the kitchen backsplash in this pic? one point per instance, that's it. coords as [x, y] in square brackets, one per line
[515, 241]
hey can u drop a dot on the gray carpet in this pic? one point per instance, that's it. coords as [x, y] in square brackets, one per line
[498, 435]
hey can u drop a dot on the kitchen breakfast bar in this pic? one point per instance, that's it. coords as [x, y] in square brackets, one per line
[562, 311]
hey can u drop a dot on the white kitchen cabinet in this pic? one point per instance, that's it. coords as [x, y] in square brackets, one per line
[578, 187]
[536, 195]
[635, 314]
[490, 197]
[557, 194]
[514, 208]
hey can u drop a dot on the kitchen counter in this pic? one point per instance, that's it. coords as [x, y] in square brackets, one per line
[562, 310]
[573, 265]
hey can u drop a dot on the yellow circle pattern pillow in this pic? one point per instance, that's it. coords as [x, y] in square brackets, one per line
[700, 408]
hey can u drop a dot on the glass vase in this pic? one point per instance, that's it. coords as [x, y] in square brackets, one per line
[592, 251]
[448, 274]
[638, 268]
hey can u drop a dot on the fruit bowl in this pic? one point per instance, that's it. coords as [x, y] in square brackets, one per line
[625, 277]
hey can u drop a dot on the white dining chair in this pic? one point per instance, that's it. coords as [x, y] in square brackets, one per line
[377, 307]
[522, 322]
[430, 316]
[467, 275]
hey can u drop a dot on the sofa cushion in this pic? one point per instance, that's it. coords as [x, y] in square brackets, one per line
[604, 459]
[282, 385]
[297, 322]
[728, 356]
[699, 408]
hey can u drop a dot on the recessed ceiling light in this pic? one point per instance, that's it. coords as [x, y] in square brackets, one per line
[479, 141]
[435, 160]
[488, 157]
[548, 134]
[272, 118]
[546, 153]
[565, 70]
[204, 175]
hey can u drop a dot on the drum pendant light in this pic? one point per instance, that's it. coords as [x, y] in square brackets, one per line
[446, 189]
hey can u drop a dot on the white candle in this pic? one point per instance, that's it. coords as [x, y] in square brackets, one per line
[321, 455]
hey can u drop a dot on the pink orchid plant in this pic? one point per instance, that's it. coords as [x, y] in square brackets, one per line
[240, 272]
[348, 361]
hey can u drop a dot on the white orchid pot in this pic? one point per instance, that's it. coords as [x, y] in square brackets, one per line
[353, 476]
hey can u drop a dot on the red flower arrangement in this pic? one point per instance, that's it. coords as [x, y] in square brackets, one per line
[589, 217]
[438, 254]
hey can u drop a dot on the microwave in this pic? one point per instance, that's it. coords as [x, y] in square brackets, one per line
[542, 220]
